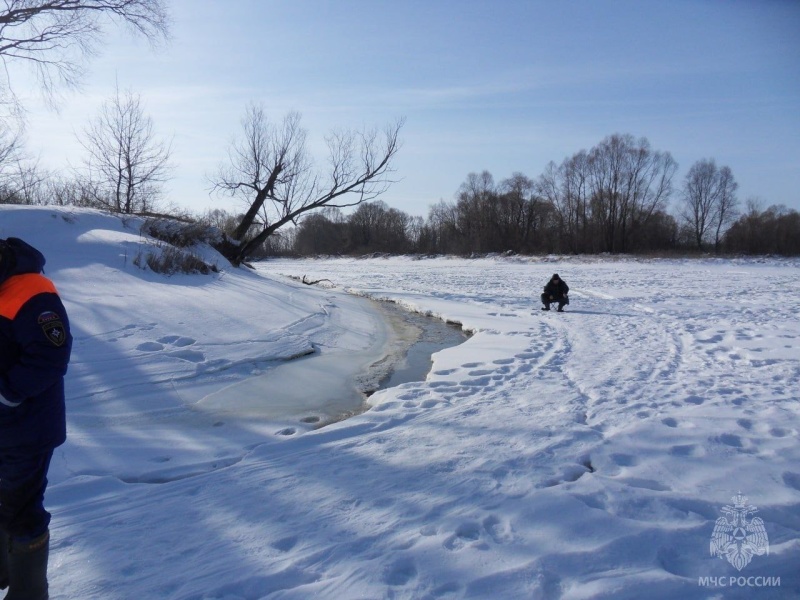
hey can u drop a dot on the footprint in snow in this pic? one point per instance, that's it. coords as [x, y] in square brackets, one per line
[400, 572]
[729, 439]
[624, 460]
[442, 384]
[150, 347]
[177, 341]
[500, 531]
[503, 361]
[690, 450]
[465, 534]
[792, 480]
[445, 372]
[481, 382]
[568, 474]
[285, 544]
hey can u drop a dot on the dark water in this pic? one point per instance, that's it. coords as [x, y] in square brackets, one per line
[434, 335]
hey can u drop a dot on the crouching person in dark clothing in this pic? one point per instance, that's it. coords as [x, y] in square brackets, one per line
[35, 346]
[556, 290]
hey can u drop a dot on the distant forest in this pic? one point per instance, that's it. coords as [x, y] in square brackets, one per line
[528, 227]
[618, 197]
[614, 198]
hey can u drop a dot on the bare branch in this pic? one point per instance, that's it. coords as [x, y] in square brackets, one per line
[57, 36]
[314, 282]
[270, 169]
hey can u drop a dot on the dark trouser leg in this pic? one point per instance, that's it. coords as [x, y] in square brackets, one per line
[23, 519]
[546, 302]
[3, 560]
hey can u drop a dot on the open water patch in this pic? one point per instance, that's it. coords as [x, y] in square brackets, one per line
[408, 358]
[422, 336]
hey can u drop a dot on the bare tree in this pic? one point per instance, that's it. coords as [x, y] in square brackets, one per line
[698, 197]
[323, 232]
[125, 160]
[727, 204]
[775, 230]
[566, 189]
[629, 183]
[374, 227]
[443, 232]
[56, 37]
[476, 211]
[708, 200]
[21, 178]
[271, 170]
[10, 148]
[67, 191]
[519, 212]
[25, 184]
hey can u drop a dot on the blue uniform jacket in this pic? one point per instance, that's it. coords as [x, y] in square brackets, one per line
[35, 346]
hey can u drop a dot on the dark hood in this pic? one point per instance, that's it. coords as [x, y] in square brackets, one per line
[19, 257]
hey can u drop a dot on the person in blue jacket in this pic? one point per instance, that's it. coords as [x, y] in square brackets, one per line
[35, 346]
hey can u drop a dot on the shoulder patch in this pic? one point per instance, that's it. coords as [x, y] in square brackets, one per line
[53, 328]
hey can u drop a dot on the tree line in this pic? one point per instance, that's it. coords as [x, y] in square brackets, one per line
[618, 197]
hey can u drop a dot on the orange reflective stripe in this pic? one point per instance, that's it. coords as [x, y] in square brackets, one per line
[17, 290]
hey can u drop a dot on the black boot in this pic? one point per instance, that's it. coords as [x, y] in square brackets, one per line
[546, 307]
[3, 560]
[27, 566]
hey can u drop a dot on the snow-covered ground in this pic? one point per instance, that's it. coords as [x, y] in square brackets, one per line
[577, 455]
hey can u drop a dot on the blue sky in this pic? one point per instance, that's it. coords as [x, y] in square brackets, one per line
[498, 85]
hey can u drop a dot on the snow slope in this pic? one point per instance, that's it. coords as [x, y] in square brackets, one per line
[577, 455]
[152, 351]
